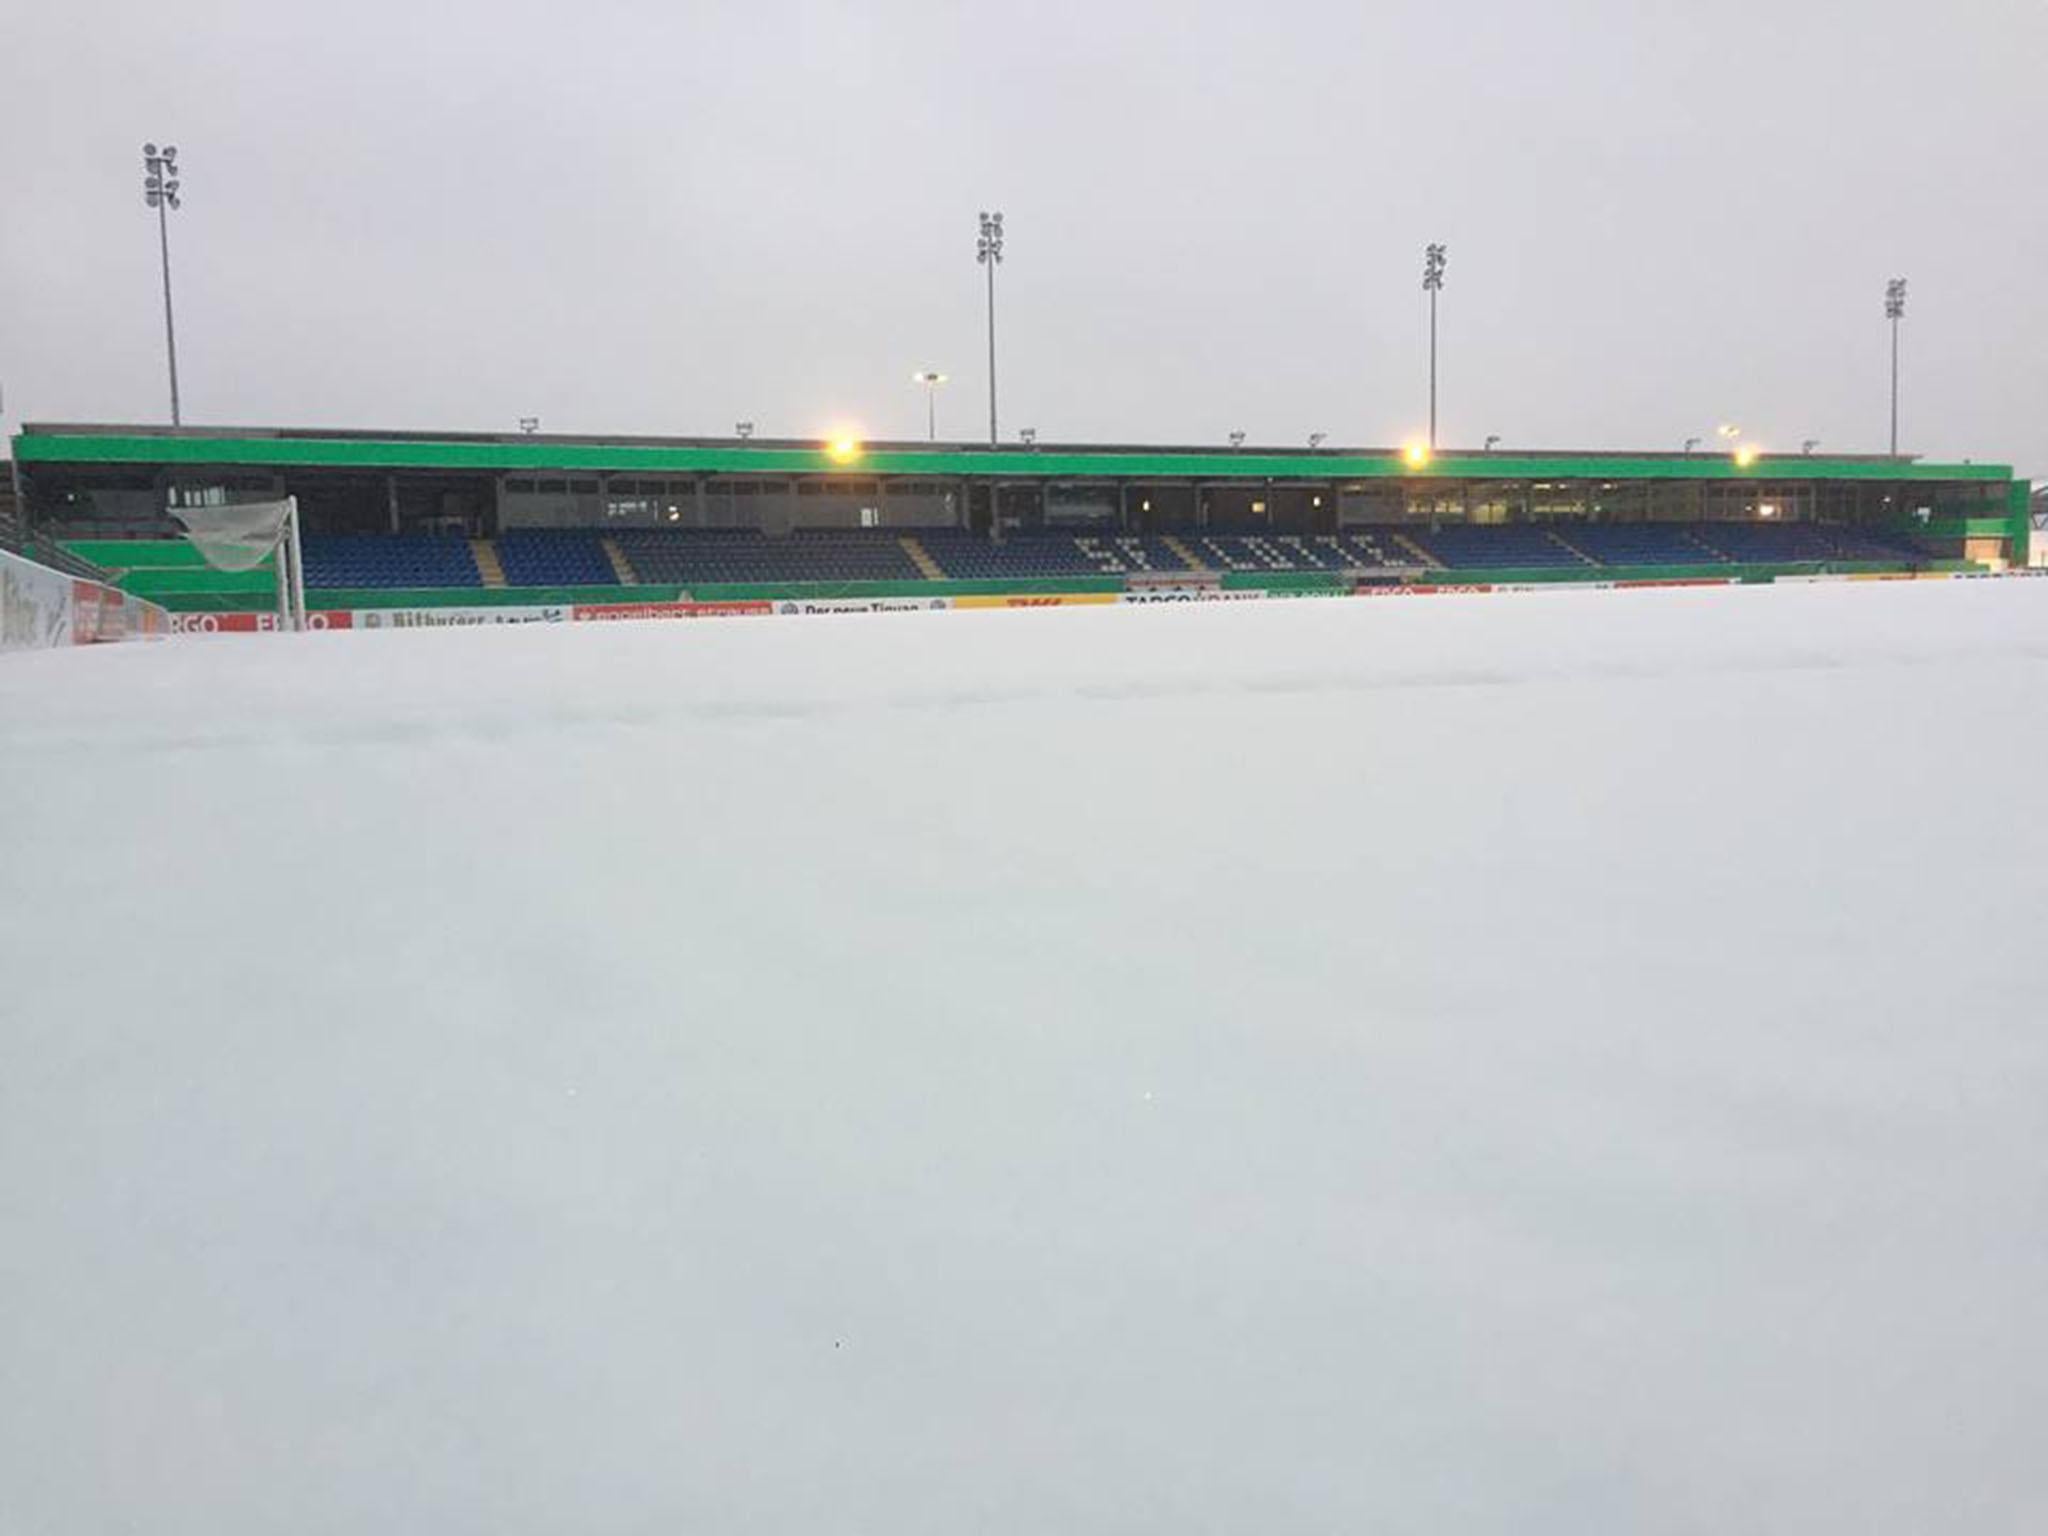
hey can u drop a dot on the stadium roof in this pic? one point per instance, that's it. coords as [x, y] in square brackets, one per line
[69, 443]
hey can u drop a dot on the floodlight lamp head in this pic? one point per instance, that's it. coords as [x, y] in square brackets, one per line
[1433, 266]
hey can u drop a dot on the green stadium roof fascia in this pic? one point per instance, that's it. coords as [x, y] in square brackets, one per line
[32, 448]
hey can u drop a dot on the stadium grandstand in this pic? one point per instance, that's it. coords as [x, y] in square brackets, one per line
[391, 519]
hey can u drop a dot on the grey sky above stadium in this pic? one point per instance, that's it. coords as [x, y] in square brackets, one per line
[621, 215]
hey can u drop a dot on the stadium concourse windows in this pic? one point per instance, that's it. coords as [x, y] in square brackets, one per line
[1268, 508]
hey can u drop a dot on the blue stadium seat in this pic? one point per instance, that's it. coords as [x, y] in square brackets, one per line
[555, 557]
[1502, 546]
[697, 556]
[1774, 543]
[1626, 544]
[389, 560]
[969, 556]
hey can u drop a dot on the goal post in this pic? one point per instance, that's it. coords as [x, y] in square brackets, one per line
[241, 535]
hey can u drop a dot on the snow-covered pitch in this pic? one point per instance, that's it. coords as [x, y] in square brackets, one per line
[1557, 1063]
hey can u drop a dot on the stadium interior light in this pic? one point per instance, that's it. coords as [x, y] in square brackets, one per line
[1416, 455]
[1745, 455]
[1727, 431]
[1767, 509]
[843, 449]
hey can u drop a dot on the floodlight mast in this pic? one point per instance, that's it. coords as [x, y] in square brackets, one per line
[931, 379]
[160, 191]
[988, 252]
[1432, 284]
[1895, 311]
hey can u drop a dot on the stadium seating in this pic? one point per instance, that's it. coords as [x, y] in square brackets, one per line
[389, 560]
[698, 556]
[1624, 544]
[1504, 546]
[1797, 542]
[973, 557]
[555, 557]
[1354, 549]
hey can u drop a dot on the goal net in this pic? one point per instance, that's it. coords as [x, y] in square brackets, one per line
[241, 535]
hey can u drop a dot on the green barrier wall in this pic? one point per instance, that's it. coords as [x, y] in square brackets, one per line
[1285, 581]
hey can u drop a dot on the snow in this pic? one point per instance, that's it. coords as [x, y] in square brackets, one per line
[1548, 1063]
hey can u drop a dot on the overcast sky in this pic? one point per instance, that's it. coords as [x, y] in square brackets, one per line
[623, 215]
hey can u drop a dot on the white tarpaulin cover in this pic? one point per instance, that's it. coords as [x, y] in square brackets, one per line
[1507, 1066]
[239, 536]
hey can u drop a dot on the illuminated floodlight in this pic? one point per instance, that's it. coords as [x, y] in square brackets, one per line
[1416, 455]
[843, 449]
[1745, 455]
[1767, 509]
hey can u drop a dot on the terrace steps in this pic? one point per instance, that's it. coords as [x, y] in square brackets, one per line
[621, 566]
[1422, 556]
[921, 558]
[1194, 561]
[488, 565]
[1568, 547]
